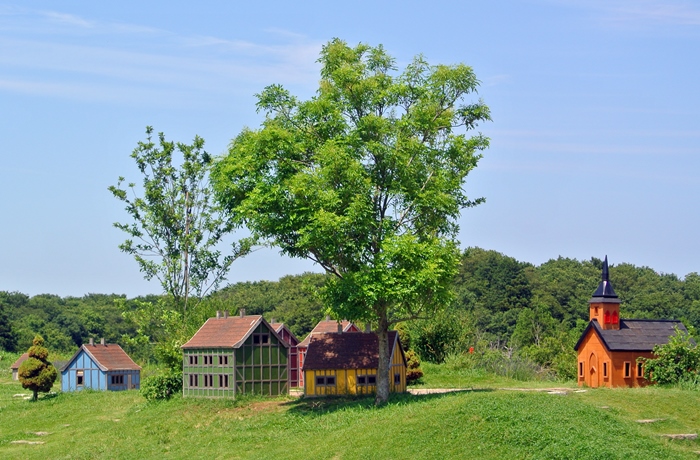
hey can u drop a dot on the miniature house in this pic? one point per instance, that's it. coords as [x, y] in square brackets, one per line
[232, 355]
[323, 326]
[16, 364]
[283, 331]
[103, 366]
[609, 346]
[346, 364]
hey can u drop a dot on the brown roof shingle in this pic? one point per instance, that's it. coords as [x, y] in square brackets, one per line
[346, 351]
[19, 361]
[228, 332]
[111, 357]
[328, 325]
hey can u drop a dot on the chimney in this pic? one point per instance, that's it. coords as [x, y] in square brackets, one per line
[368, 328]
[272, 320]
[102, 341]
[225, 313]
[340, 326]
[242, 312]
[92, 341]
[218, 314]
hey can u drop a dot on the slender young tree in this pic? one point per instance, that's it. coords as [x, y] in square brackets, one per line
[36, 373]
[364, 179]
[176, 226]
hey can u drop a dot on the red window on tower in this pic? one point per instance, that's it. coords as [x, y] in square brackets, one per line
[606, 317]
[615, 318]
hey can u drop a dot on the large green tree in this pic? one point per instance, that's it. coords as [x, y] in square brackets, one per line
[365, 179]
[36, 373]
[176, 228]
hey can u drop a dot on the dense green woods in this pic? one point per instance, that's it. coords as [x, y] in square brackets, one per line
[503, 309]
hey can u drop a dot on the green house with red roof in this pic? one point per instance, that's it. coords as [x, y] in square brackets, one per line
[231, 355]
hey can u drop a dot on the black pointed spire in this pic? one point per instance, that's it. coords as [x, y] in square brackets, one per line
[605, 288]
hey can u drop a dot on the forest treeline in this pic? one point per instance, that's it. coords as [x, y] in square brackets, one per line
[501, 305]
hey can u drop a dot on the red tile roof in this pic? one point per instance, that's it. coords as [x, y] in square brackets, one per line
[329, 325]
[108, 357]
[19, 361]
[279, 328]
[346, 351]
[228, 332]
[111, 357]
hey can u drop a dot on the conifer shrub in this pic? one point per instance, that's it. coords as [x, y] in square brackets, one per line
[413, 370]
[36, 373]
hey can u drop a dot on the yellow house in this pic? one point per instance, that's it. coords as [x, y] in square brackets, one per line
[346, 364]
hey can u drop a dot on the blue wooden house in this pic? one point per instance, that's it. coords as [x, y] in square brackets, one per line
[100, 367]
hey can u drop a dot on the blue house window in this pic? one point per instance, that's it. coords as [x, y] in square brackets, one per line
[118, 379]
[79, 378]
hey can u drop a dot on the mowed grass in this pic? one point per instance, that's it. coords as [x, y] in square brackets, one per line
[480, 423]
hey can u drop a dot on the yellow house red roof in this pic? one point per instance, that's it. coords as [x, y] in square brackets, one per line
[229, 332]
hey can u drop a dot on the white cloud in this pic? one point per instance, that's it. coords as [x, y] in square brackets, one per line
[640, 12]
[122, 58]
[68, 19]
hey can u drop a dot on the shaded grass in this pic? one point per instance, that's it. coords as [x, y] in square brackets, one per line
[471, 424]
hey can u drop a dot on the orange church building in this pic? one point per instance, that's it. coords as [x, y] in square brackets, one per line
[609, 347]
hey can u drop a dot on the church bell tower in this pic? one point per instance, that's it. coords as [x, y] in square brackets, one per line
[605, 304]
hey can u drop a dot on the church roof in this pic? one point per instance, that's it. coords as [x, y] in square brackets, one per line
[634, 334]
[605, 292]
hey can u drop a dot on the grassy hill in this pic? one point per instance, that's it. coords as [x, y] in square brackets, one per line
[483, 423]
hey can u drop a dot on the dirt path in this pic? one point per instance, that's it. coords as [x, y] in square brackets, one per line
[430, 391]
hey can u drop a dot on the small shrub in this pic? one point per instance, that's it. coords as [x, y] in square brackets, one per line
[675, 362]
[162, 386]
[36, 373]
[413, 370]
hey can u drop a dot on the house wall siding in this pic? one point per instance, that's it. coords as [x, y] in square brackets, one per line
[594, 356]
[93, 377]
[346, 379]
[252, 369]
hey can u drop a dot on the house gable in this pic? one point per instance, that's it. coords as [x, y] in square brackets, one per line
[232, 355]
[347, 363]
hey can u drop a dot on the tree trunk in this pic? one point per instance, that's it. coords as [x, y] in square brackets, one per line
[36, 395]
[383, 370]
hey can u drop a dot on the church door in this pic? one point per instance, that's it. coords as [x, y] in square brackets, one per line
[593, 371]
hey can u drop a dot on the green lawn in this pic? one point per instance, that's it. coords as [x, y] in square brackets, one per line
[482, 423]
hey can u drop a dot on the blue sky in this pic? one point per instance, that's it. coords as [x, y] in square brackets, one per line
[595, 138]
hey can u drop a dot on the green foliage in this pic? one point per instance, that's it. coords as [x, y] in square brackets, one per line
[176, 227]
[677, 361]
[163, 386]
[436, 338]
[503, 362]
[36, 373]
[292, 300]
[365, 179]
[413, 370]
[8, 337]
